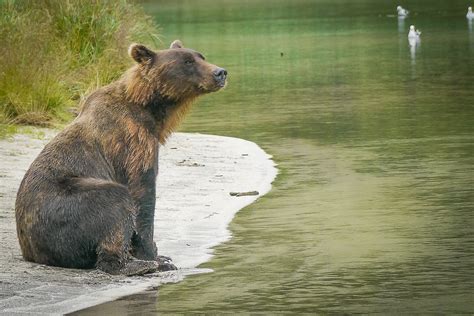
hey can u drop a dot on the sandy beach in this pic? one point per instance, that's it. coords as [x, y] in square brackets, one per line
[194, 207]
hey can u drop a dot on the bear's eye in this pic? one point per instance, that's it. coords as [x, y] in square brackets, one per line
[189, 61]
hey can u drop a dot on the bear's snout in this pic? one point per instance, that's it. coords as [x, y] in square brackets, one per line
[220, 75]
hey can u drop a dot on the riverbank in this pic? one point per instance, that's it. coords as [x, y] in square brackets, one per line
[194, 208]
[78, 46]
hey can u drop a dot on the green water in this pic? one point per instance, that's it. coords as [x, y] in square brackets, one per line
[373, 209]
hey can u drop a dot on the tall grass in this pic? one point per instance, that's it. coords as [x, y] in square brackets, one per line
[53, 52]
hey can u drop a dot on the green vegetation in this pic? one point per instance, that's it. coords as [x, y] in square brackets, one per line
[54, 52]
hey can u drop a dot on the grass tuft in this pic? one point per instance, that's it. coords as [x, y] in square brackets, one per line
[54, 52]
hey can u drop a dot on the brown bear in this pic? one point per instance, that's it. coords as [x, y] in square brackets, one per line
[88, 199]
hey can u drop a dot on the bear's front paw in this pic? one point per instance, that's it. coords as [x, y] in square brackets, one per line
[165, 263]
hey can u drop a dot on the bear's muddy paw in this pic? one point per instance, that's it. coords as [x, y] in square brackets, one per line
[139, 267]
[165, 264]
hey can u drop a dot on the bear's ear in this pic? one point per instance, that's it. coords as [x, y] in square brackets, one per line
[176, 44]
[140, 53]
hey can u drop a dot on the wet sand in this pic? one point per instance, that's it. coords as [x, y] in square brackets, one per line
[194, 207]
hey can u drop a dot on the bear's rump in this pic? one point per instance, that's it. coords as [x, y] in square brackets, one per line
[72, 222]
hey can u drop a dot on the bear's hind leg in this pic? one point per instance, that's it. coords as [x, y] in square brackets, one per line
[113, 256]
[108, 212]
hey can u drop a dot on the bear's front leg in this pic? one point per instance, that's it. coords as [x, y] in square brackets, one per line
[143, 245]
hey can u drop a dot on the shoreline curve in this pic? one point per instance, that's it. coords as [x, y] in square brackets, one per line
[197, 173]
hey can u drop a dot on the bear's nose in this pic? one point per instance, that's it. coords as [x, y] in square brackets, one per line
[220, 73]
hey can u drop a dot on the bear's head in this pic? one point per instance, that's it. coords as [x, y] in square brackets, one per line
[176, 74]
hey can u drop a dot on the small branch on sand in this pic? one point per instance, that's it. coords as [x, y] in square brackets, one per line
[244, 193]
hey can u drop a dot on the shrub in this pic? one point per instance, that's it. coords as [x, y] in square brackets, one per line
[53, 52]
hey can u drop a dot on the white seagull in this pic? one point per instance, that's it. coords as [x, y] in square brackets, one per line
[413, 33]
[470, 14]
[402, 12]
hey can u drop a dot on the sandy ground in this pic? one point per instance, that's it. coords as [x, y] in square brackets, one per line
[194, 208]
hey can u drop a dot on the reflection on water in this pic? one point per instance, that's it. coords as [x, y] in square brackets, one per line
[471, 34]
[373, 207]
[414, 44]
[401, 24]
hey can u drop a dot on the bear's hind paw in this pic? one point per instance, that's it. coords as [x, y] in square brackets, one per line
[139, 267]
[165, 264]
